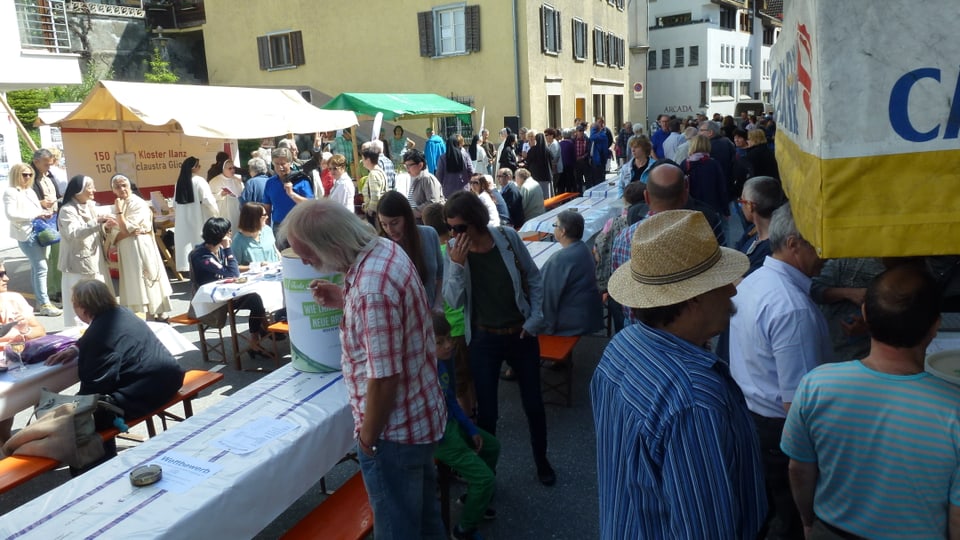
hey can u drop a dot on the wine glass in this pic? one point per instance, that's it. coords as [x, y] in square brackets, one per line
[17, 346]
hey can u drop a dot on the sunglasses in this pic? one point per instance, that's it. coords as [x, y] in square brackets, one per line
[26, 175]
[460, 228]
[3, 274]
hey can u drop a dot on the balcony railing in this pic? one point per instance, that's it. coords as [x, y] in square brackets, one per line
[174, 14]
[43, 25]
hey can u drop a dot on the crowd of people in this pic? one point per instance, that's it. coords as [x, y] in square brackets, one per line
[745, 394]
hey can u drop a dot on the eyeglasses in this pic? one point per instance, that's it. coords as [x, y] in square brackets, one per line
[744, 202]
[409, 164]
[3, 274]
[459, 228]
[26, 175]
[504, 176]
[474, 182]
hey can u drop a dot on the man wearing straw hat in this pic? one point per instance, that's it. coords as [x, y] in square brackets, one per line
[677, 453]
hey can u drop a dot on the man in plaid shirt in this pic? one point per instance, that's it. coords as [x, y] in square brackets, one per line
[389, 362]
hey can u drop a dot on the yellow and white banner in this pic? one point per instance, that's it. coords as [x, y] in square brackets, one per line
[868, 114]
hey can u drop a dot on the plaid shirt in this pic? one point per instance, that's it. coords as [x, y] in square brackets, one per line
[580, 146]
[619, 255]
[386, 330]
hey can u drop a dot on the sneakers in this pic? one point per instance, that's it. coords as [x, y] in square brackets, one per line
[460, 534]
[49, 310]
[488, 514]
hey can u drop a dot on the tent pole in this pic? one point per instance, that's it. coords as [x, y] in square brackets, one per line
[356, 154]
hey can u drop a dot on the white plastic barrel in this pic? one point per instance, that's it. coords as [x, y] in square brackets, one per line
[314, 330]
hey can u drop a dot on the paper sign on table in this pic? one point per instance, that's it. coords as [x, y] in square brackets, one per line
[181, 473]
[254, 435]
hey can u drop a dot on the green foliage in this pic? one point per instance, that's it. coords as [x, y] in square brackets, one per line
[247, 147]
[26, 154]
[25, 103]
[159, 71]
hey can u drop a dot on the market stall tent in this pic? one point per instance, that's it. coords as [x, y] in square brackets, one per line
[146, 130]
[400, 106]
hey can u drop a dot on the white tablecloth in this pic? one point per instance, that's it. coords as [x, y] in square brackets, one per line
[236, 501]
[596, 211]
[268, 284]
[541, 251]
[21, 390]
[603, 190]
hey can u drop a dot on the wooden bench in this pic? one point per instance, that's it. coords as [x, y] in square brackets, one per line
[15, 470]
[559, 350]
[345, 515]
[218, 349]
[557, 200]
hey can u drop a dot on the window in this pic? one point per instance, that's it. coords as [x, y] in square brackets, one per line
[703, 94]
[451, 125]
[728, 18]
[449, 31]
[694, 55]
[43, 25]
[665, 58]
[745, 90]
[746, 22]
[768, 35]
[599, 46]
[678, 57]
[616, 51]
[549, 29]
[579, 40]
[674, 20]
[721, 89]
[282, 50]
[652, 60]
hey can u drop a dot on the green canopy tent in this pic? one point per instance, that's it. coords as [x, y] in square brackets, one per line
[398, 107]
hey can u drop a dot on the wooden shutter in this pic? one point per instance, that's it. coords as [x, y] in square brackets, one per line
[557, 29]
[471, 17]
[263, 50]
[425, 24]
[543, 31]
[296, 48]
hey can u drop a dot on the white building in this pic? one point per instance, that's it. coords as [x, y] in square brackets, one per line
[706, 56]
[35, 52]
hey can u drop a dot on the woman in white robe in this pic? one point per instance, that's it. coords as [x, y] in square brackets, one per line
[144, 286]
[226, 188]
[194, 206]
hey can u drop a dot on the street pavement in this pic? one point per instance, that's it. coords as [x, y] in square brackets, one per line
[525, 509]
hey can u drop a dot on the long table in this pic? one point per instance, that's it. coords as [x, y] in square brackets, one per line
[595, 211]
[266, 282]
[603, 190]
[542, 251]
[20, 390]
[230, 494]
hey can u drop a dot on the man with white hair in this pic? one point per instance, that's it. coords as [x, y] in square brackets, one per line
[253, 188]
[389, 362]
[677, 455]
[778, 335]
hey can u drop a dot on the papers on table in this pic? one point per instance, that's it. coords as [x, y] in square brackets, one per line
[181, 472]
[254, 435]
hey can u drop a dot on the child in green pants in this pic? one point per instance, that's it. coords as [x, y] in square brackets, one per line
[465, 448]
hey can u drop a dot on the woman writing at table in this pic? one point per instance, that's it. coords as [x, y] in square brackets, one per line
[254, 242]
[144, 286]
[214, 260]
[119, 357]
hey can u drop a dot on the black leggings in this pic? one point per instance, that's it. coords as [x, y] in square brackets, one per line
[258, 314]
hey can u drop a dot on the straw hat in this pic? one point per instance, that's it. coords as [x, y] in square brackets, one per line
[674, 257]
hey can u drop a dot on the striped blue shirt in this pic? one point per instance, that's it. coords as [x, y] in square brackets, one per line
[887, 447]
[677, 453]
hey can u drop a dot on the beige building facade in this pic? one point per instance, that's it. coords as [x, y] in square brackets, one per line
[523, 62]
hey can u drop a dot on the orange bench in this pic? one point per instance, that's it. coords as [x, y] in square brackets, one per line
[559, 350]
[557, 200]
[15, 470]
[345, 515]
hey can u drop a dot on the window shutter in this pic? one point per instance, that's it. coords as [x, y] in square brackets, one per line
[425, 25]
[263, 50]
[543, 31]
[573, 26]
[556, 28]
[471, 16]
[296, 48]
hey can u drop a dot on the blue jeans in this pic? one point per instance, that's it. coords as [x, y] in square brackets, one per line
[401, 481]
[37, 255]
[487, 353]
